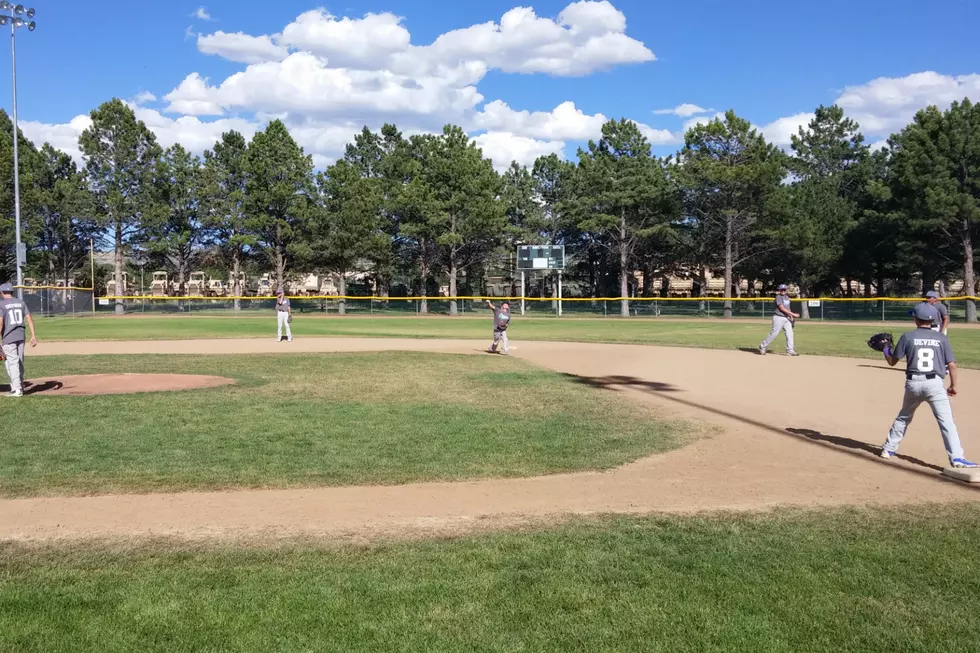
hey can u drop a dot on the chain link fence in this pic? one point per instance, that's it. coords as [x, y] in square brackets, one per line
[50, 301]
[822, 309]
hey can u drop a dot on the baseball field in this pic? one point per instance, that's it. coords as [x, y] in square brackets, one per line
[190, 484]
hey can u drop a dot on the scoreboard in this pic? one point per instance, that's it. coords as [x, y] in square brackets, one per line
[541, 257]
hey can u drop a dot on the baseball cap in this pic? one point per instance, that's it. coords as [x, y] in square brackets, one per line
[6, 288]
[782, 286]
[932, 294]
[924, 312]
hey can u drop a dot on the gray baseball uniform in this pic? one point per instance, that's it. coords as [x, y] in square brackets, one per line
[926, 354]
[501, 321]
[941, 313]
[780, 322]
[15, 314]
[282, 314]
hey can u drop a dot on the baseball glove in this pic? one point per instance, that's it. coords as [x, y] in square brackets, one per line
[879, 341]
[289, 319]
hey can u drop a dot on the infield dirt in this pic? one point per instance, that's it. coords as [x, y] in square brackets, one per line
[793, 432]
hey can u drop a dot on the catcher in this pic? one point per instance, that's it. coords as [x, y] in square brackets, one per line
[928, 357]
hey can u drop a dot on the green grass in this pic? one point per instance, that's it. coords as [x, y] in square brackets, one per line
[330, 419]
[812, 338]
[854, 581]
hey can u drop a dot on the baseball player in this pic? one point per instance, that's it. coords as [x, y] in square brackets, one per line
[501, 320]
[942, 323]
[284, 313]
[13, 312]
[782, 320]
[928, 357]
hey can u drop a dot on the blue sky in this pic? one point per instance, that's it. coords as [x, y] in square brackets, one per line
[771, 61]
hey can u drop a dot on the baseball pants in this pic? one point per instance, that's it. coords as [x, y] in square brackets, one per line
[780, 323]
[284, 322]
[497, 337]
[933, 392]
[13, 355]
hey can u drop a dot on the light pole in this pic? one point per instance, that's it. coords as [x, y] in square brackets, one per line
[12, 15]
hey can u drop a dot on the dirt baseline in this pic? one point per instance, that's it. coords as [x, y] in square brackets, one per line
[119, 384]
[794, 432]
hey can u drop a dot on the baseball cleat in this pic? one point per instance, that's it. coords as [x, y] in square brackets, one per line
[791, 353]
[15, 393]
[886, 454]
[962, 463]
[762, 350]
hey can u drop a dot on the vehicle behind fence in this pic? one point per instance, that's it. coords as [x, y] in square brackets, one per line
[826, 309]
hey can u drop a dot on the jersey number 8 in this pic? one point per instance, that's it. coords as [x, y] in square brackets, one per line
[926, 360]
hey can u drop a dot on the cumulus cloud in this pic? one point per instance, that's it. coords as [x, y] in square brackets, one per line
[504, 147]
[194, 134]
[327, 76]
[683, 110]
[144, 97]
[778, 132]
[241, 48]
[565, 122]
[885, 105]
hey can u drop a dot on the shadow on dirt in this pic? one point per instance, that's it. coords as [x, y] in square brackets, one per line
[840, 441]
[36, 388]
[842, 445]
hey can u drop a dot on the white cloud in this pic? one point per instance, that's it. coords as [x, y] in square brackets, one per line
[504, 147]
[192, 98]
[565, 122]
[354, 42]
[241, 48]
[194, 134]
[144, 97]
[189, 33]
[63, 137]
[327, 76]
[778, 132]
[885, 105]
[660, 136]
[683, 110]
[701, 120]
[586, 37]
[304, 83]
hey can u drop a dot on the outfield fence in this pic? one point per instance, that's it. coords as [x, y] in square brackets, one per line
[57, 300]
[822, 308]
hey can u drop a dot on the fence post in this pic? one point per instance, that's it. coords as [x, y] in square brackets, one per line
[882, 310]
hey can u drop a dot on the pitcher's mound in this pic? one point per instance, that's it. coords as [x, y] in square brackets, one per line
[117, 384]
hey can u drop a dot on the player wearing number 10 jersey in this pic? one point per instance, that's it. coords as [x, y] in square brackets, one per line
[13, 315]
[928, 356]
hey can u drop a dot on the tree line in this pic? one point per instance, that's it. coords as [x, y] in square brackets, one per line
[430, 208]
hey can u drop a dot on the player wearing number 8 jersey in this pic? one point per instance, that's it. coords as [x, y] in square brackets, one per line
[928, 357]
[13, 313]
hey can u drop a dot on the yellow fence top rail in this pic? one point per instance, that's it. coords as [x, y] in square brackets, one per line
[767, 298]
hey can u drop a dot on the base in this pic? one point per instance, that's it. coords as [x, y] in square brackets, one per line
[966, 475]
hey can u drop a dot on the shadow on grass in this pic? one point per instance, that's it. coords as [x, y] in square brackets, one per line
[845, 446]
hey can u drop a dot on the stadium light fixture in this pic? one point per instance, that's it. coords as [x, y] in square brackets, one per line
[12, 14]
